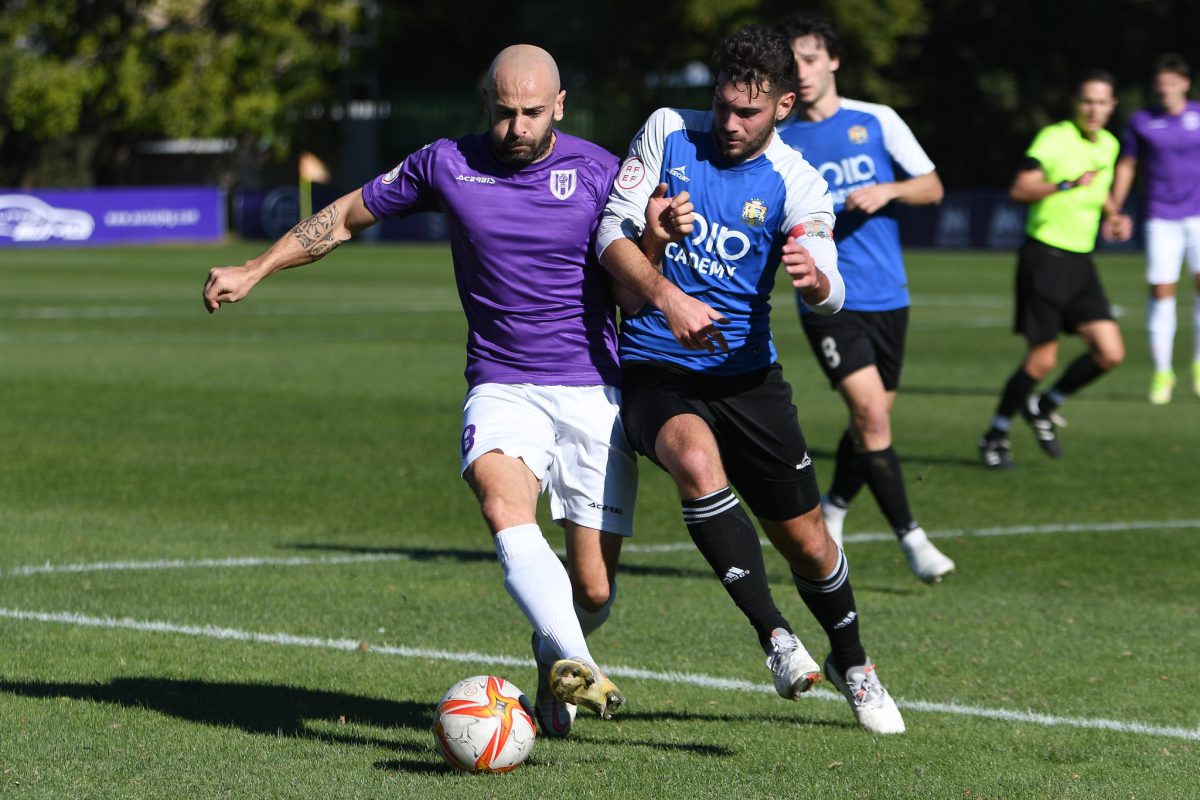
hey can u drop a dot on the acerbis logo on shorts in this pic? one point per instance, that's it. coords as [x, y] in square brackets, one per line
[609, 509]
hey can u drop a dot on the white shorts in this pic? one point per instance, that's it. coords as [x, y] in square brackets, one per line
[570, 437]
[1167, 241]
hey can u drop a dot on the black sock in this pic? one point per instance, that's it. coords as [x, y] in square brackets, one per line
[848, 475]
[887, 484]
[1080, 373]
[831, 601]
[728, 540]
[1019, 386]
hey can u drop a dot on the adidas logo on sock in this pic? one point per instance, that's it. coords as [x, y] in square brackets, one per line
[734, 574]
[846, 620]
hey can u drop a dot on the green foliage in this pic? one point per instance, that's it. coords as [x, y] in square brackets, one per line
[149, 69]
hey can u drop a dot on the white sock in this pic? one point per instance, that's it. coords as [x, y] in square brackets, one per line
[1160, 323]
[1196, 328]
[538, 582]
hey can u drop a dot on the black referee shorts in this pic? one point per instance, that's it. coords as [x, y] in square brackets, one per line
[1056, 292]
[752, 417]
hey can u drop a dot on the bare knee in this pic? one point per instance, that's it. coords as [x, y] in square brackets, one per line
[1041, 363]
[500, 511]
[695, 473]
[873, 426]
[1110, 355]
[592, 595]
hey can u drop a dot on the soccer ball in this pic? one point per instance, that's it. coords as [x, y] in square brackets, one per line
[484, 724]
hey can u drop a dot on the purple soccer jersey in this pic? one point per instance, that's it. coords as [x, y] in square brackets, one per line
[538, 306]
[1167, 147]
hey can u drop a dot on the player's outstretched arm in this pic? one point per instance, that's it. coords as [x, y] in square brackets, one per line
[307, 242]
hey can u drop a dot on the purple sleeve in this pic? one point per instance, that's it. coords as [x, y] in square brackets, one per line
[1129, 139]
[407, 189]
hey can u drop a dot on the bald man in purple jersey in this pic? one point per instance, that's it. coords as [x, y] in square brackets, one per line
[522, 202]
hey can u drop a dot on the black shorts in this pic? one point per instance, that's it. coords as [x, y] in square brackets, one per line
[850, 340]
[1057, 291]
[751, 416]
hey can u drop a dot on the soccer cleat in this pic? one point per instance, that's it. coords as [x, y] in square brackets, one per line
[872, 705]
[1161, 386]
[924, 559]
[996, 452]
[835, 518]
[795, 670]
[1196, 377]
[575, 681]
[554, 717]
[1044, 426]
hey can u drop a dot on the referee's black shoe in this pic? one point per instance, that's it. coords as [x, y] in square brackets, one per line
[1045, 425]
[996, 451]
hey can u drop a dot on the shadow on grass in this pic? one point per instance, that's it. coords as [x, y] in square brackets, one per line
[480, 556]
[253, 708]
[294, 712]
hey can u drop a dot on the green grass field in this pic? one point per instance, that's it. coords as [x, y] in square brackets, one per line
[201, 517]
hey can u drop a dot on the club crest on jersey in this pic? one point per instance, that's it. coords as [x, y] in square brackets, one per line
[562, 183]
[754, 212]
[857, 134]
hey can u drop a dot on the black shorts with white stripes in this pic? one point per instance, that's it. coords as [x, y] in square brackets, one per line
[754, 422]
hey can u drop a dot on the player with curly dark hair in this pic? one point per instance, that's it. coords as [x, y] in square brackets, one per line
[705, 397]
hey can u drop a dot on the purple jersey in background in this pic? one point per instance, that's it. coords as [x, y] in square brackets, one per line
[537, 301]
[1167, 148]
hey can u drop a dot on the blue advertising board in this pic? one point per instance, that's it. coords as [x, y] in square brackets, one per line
[111, 216]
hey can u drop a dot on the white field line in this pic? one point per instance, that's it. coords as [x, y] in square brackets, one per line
[448, 303]
[853, 538]
[692, 679]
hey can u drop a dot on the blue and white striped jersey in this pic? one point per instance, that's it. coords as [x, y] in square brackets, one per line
[744, 214]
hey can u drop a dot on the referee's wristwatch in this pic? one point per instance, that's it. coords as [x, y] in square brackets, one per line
[1063, 186]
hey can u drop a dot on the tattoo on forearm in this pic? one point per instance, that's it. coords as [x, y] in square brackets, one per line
[315, 234]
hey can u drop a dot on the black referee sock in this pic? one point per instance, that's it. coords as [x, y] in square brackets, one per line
[1080, 373]
[1020, 385]
[831, 601]
[887, 484]
[848, 473]
[728, 540]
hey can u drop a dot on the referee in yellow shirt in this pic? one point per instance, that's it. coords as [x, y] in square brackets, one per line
[1065, 179]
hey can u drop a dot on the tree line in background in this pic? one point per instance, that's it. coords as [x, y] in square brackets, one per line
[84, 83]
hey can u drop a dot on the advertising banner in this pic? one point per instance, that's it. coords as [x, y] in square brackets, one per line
[66, 217]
